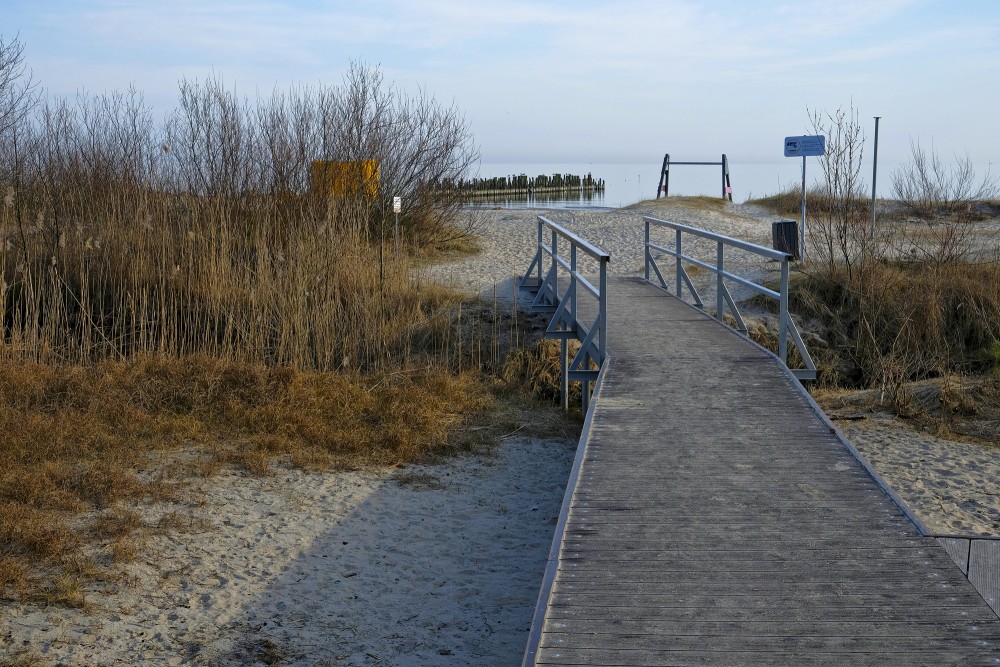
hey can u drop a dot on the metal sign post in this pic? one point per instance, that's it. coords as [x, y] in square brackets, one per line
[874, 174]
[804, 146]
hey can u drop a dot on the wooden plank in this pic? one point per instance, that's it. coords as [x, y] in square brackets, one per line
[876, 627]
[623, 581]
[785, 600]
[861, 642]
[682, 612]
[708, 657]
[958, 549]
[984, 570]
[666, 566]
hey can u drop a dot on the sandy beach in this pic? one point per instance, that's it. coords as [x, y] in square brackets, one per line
[422, 565]
[427, 564]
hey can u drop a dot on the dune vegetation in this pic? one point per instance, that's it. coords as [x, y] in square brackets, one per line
[909, 295]
[182, 297]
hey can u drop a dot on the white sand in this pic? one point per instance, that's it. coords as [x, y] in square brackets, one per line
[954, 487]
[332, 569]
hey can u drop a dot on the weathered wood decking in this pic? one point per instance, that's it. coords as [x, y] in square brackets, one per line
[716, 519]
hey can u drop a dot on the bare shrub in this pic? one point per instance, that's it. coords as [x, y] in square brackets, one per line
[117, 241]
[926, 185]
[900, 301]
[223, 145]
[17, 89]
[841, 226]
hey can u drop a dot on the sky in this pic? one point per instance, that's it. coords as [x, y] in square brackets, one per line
[590, 81]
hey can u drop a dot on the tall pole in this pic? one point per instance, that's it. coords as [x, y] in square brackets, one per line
[874, 173]
[802, 240]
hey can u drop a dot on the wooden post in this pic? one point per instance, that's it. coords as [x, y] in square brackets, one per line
[722, 163]
[727, 186]
[663, 174]
[666, 178]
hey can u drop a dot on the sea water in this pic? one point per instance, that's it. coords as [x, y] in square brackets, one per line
[629, 183]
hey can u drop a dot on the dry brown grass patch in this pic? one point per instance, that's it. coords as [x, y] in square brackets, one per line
[954, 407]
[75, 471]
[696, 203]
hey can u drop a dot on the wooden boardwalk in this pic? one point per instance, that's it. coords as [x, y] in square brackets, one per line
[715, 518]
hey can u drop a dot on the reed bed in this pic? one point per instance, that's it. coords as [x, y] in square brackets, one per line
[177, 299]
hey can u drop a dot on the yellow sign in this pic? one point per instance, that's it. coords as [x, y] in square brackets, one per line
[344, 179]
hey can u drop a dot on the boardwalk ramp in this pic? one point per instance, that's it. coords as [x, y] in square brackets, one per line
[714, 517]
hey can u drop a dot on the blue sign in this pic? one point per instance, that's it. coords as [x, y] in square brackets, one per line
[805, 146]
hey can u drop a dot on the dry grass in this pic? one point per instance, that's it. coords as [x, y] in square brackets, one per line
[77, 443]
[894, 323]
[538, 369]
[22, 658]
[697, 203]
[954, 407]
[819, 203]
[909, 314]
[219, 332]
[86, 446]
[898, 300]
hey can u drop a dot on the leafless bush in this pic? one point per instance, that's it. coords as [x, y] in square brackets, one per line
[927, 186]
[222, 145]
[843, 233]
[17, 89]
[900, 301]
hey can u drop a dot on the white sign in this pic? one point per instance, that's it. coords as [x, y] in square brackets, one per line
[803, 146]
[397, 204]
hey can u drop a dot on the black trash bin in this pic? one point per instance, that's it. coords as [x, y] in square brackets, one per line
[785, 237]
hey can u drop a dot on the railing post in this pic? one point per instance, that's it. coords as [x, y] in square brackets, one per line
[541, 242]
[603, 312]
[666, 177]
[645, 252]
[680, 269]
[555, 267]
[720, 309]
[572, 279]
[564, 348]
[783, 314]
[564, 370]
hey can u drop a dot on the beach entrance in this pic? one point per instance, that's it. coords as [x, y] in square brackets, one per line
[714, 515]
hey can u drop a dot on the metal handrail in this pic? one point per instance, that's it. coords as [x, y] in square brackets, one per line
[565, 322]
[786, 327]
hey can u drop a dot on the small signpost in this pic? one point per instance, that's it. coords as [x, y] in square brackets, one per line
[804, 146]
[397, 206]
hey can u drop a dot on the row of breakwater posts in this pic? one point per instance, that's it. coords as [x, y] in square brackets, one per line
[713, 514]
[523, 185]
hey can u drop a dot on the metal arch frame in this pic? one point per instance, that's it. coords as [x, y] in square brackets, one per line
[664, 186]
[565, 322]
[786, 327]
